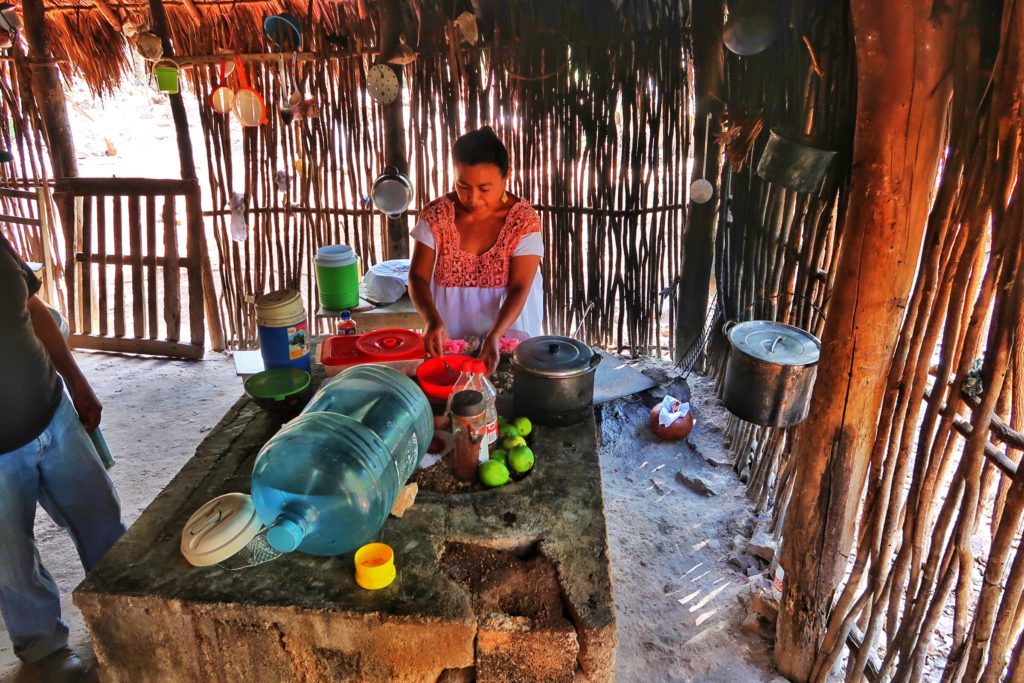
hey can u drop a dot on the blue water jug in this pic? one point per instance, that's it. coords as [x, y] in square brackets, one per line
[325, 483]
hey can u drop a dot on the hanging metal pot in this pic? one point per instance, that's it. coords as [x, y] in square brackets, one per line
[751, 27]
[770, 373]
[790, 161]
[553, 380]
[392, 193]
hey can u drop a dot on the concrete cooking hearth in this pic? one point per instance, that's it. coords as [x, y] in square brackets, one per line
[510, 584]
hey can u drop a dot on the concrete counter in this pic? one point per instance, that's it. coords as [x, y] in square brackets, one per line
[511, 584]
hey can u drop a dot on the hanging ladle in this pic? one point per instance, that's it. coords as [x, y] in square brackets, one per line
[700, 189]
[295, 98]
[287, 112]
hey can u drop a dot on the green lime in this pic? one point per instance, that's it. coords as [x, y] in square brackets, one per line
[502, 420]
[523, 425]
[493, 473]
[510, 442]
[520, 459]
[501, 456]
[506, 430]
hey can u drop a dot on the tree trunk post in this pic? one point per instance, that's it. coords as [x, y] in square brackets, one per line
[391, 27]
[49, 94]
[188, 172]
[694, 281]
[904, 53]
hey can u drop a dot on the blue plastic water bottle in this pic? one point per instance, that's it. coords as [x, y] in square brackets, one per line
[325, 483]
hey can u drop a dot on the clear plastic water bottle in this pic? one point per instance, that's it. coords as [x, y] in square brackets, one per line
[474, 378]
[325, 483]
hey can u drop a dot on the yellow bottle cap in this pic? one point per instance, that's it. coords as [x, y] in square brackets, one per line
[375, 566]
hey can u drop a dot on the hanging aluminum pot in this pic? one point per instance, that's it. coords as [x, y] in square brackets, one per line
[770, 373]
[391, 193]
[789, 160]
[553, 380]
[751, 27]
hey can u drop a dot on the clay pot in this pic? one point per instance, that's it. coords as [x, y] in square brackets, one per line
[675, 431]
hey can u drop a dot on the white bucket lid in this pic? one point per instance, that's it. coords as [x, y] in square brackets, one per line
[219, 529]
[335, 255]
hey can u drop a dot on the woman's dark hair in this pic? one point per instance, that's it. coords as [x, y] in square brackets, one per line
[481, 147]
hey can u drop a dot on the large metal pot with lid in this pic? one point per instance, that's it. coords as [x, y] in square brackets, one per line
[554, 380]
[770, 373]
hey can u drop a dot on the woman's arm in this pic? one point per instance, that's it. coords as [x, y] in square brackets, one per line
[421, 270]
[521, 272]
[88, 406]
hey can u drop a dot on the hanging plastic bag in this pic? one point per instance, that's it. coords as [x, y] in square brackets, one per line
[237, 207]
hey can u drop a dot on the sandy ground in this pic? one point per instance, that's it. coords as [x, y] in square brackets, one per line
[676, 594]
[155, 414]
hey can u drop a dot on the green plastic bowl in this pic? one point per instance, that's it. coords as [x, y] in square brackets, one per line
[282, 390]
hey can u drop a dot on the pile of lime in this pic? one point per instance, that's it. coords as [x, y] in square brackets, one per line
[513, 457]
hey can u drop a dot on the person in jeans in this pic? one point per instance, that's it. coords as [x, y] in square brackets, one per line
[46, 457]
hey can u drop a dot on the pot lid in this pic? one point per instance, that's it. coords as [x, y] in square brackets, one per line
[388, 343]
[553, 356]
[774, 342]
[219, 529]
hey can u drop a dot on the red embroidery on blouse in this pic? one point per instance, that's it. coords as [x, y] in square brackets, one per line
[458, 268]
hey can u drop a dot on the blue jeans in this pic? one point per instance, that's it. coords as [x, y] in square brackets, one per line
[61, 471]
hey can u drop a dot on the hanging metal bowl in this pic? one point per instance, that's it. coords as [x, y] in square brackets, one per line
[751, 27]
[790, 161]
[392, 193]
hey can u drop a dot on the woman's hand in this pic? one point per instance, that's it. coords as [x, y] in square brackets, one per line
[489, 353]
[434, 337]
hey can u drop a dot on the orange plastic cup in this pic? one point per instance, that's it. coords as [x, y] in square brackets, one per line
[375, 566]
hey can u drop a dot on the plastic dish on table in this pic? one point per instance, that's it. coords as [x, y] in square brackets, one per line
[437, 380]
[280, 390]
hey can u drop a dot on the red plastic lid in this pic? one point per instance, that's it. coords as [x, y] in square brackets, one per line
[477, 366]
[389, 343]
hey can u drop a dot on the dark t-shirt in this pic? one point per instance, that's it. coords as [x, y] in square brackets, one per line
[30, 389]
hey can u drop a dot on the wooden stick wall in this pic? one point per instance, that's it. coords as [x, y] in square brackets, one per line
[935, 583]
[598, 138]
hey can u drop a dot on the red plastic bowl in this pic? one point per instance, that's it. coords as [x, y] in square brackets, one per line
[436, 380]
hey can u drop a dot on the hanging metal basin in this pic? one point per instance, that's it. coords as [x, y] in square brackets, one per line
[770, 373]
[794, 164]
[392, 193]
[751, 27]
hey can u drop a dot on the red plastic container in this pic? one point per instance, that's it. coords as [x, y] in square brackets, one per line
[436, 380]
[399, 348]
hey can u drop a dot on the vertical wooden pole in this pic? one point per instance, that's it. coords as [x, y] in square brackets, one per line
[188, 172]
[699, 236]
[391, 25]
[49, 94]
[904, 59]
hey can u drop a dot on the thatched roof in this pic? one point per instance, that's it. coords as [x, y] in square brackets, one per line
[86, 36]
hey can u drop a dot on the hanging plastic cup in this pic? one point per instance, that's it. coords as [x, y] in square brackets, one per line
[166, 75]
